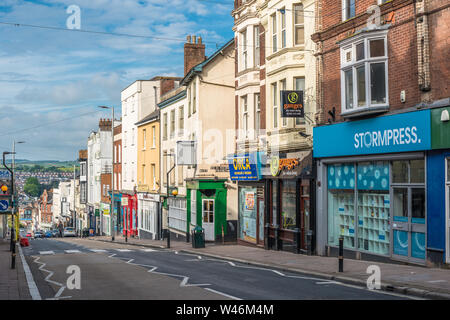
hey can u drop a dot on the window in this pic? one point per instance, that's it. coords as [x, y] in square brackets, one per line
[244, 49]
[143, 174]
[172, 173]
[165, 126]
[172, 123]
[274, 33]
[283, 87]
[300, 86]
[189, 94]
[164, 172]
[364, 80]
[348, 9]
[181, 120]
[299, 27]
[132, 137]
[144, 140]
[283, 28]
[275, 105]
[257, 114]
[125, 139]
[288, 201]
[180, 175]
[244, 108]
[154, 137]
[256, 46]
[194, 96]
[154, 176]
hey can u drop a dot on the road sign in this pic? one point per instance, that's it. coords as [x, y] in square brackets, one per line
[4, 206]
[5, 174]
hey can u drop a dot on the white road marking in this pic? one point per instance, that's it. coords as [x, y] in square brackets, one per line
[34, 291]
[148, 250]
[46, 252]
[436, 281]
[328, 282]
[223, 294]
[97, 250]
[72, 251]
[124, 250]
[50, 274]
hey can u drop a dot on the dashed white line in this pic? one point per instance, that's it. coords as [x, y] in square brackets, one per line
[223, 294]
[148, 250]
[46, 252]
[72, 251]
[124, 250]
[436, 281]
[97, 250]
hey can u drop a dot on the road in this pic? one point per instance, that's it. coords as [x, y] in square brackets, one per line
[118, 271]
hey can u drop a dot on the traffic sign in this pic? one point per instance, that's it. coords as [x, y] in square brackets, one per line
[5, 174]
[5, 206]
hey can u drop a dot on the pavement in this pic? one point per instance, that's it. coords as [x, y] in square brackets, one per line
[423, 282]
[13, 283]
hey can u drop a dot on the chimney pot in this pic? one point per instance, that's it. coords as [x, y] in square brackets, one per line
[194, 39]
[199, 40]
[188, 39]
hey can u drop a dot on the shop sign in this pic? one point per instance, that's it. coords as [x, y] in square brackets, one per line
[97, 212]
[292, 102]
[148, 196]
[277, 165]
[245, 167]
[124, 201]
[388, 134]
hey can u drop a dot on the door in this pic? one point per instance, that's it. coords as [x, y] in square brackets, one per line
[408, 223]
[208, 219]
[260, 221]
[304, 211]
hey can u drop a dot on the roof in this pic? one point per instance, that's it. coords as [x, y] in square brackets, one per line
[173, 99]
[199, 67]
[151, 117]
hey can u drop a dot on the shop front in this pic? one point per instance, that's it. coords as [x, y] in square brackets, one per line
[289, 202]
[148, 205]
[246, 170]
[129, 205]
[207, 207]
[105, 216]
[371, 189]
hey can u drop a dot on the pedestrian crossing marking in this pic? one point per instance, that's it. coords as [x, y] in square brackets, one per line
[72, 251]
[148, 250]
[124, 250]
[46, 252]
[97, 250]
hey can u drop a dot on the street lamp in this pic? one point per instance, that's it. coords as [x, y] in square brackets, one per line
[112, 213]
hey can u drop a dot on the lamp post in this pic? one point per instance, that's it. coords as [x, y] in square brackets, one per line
[13, 237]
[112, 213]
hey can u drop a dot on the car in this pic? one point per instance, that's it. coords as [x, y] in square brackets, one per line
[55, 233]
[48, 234]
[38, 234]
[29, 235]
[69, 232]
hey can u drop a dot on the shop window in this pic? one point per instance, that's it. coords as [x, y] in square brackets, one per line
[247, 214]
[373, 207]
[418, 205]
[400, 171]
[408, 171]
[417, 171]
[288, 204]
[274, 202]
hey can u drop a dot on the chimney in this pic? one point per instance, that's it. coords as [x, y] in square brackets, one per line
[105, 124]
[194, 53]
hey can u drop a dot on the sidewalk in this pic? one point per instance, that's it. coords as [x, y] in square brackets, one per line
[430, 283]
[13, 283]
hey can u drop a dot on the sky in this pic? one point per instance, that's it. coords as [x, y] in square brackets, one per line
[51, 81]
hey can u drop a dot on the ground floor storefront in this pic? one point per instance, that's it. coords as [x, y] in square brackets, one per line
[382, 189]
[129, 206]
[149, 212]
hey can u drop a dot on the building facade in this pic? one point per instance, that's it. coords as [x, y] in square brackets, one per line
[383, 113]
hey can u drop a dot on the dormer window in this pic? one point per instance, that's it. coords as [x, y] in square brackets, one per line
[364, 83]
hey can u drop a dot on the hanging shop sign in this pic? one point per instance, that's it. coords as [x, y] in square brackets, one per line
[124, 201]
[245, 167]
[277, 165]
[292, 102]
[403, 132]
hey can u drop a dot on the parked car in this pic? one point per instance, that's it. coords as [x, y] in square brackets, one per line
[29, 235]
[69, 232]
[55, 233]
[38, 234]
[48, 234]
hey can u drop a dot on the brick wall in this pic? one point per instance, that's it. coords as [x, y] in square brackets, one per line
[194, 53]
[105, 179]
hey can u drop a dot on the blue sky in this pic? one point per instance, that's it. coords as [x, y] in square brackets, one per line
[49, 75]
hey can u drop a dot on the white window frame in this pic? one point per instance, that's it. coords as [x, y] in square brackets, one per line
[144, 140]
[257, 102]
[298, 25]
[274, 89]
[181, 120]
[244, 110]
[257, 48]
[284, 120]
[349, 47]
[344, 10]
[172, 123]
[154, 175]
[283, 27]
[273, 19]
[244, 49]
[154, 137]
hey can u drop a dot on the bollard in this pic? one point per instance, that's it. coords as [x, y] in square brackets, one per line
[341, 254]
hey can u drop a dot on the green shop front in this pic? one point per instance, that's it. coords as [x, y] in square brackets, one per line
[207, 207]
[372, 187]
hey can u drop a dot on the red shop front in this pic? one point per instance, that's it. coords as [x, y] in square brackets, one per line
[130, 214]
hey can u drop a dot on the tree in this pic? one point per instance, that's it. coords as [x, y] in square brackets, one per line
[32, 187]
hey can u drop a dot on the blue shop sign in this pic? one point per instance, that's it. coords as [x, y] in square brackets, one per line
[245, 167]
[395, 133]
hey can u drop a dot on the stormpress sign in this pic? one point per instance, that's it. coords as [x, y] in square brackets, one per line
[388, 134]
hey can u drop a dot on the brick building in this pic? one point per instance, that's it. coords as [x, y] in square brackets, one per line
[45, 210]
[383, 101]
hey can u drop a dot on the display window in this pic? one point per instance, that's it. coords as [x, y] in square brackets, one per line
[288, 203]
[247, 214]
[358, 206]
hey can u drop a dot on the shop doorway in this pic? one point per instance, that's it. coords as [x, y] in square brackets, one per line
[208, 218]
[447, 206]
[304, 211]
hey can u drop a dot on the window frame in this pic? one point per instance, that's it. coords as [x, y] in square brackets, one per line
[298, 25]
[348, 48]
[274, 87]
[244, 112]
[257, 47]
[274, 32]
[144, 140]
[345, 5]
[244, 65]
[181, 120]
[257, 102]
[283, 28]
[300, 121]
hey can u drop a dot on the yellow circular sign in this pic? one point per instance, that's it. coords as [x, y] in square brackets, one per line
[4, 188]
[293, 97]
[275, 166]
